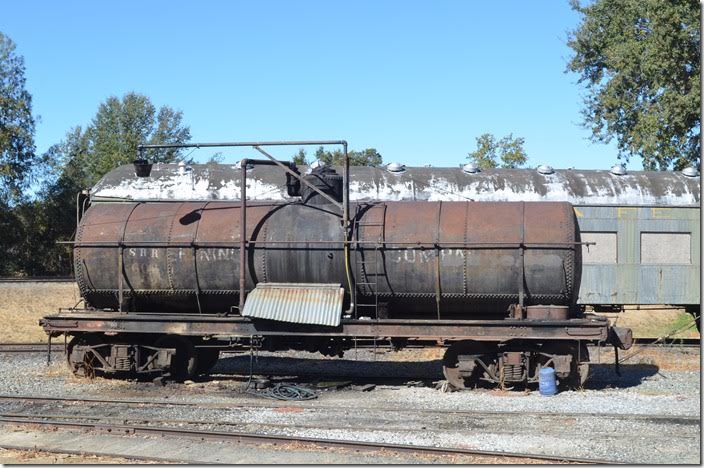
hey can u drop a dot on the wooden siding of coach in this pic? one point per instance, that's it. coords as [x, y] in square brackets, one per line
[629, 281]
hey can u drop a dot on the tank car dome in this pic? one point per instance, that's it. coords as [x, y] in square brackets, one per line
[395, 167]
[690, 171]
[545, 169]
[618, 169]
[471, 168]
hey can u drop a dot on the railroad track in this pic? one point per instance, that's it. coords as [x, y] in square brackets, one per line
[37, 279]
[317, 406]
[30, 347]
[50, 422]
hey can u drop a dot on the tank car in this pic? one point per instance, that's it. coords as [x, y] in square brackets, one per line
[168, 284]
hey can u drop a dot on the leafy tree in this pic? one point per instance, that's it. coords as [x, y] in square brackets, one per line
[367, 157]
[17, 153]
[639, 62]
[118, 128]
[78, 162]
[508, 150]
[299, 158]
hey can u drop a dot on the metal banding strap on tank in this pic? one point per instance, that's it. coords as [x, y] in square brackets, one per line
[120, 260]
[466, 252]
[437, 260]
[195, 259]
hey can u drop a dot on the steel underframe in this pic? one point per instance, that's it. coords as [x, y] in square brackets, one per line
[79, 321]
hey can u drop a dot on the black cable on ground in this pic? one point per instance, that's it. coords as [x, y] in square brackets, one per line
[286, 392]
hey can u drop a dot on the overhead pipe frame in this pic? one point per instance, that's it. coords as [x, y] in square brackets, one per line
[286, 167]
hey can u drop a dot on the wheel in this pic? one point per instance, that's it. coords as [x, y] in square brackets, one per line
[207, 358]
[459, 363]
[83, 367]
[184, 364]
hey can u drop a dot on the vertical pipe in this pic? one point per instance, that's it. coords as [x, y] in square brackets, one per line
[521, 260]
[243, 230]
[346, 190]
[347, 232]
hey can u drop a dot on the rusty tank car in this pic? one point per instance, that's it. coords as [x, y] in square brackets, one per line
[167, 285]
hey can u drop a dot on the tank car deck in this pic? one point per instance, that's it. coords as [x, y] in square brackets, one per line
[591, 328]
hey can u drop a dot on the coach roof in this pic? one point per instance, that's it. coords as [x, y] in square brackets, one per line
[580, 187]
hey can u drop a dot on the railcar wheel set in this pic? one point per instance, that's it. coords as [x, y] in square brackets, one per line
[168, 284]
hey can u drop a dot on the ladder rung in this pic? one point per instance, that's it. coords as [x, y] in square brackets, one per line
[366, 284]
[366, 305]
[370, 224]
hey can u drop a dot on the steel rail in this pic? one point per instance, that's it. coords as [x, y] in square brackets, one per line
[38, 279]
[250, 438]
[29, 347]
[388, 427]
[316, 406]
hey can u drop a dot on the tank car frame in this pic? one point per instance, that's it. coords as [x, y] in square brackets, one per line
[153, 343]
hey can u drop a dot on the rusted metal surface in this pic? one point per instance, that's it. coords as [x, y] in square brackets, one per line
[547, 312]
[316, 304]
[579, 187]
[449, 254]
[592, 329]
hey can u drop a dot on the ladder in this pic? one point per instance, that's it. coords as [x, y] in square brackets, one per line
[368, 266]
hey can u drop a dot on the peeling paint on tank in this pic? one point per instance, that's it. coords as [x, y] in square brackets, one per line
[221, 182]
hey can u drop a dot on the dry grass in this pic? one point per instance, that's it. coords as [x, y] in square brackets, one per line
[665, 358]
[655, 322]
[23, 304]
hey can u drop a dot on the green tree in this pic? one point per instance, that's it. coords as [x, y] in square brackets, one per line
[78, 162]
[119, 127]
[18, 159]
[300, 158]
[639, 62]
[507, 152]
[367, 157]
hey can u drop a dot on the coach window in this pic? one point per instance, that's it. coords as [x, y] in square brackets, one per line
[665, 248]
[604, 250]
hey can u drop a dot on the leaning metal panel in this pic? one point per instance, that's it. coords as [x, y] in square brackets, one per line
[316, 304]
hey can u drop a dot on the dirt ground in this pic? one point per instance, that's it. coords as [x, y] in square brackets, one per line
[40, 457]
[23, 304]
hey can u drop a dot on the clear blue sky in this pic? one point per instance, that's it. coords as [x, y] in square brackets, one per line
[416, 80]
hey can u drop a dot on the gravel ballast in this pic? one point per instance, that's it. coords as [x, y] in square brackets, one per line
[614, 418]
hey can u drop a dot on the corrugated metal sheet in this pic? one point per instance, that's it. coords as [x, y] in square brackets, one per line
[311, 303]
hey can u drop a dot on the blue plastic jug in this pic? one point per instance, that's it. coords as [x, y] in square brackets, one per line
[546, 381]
